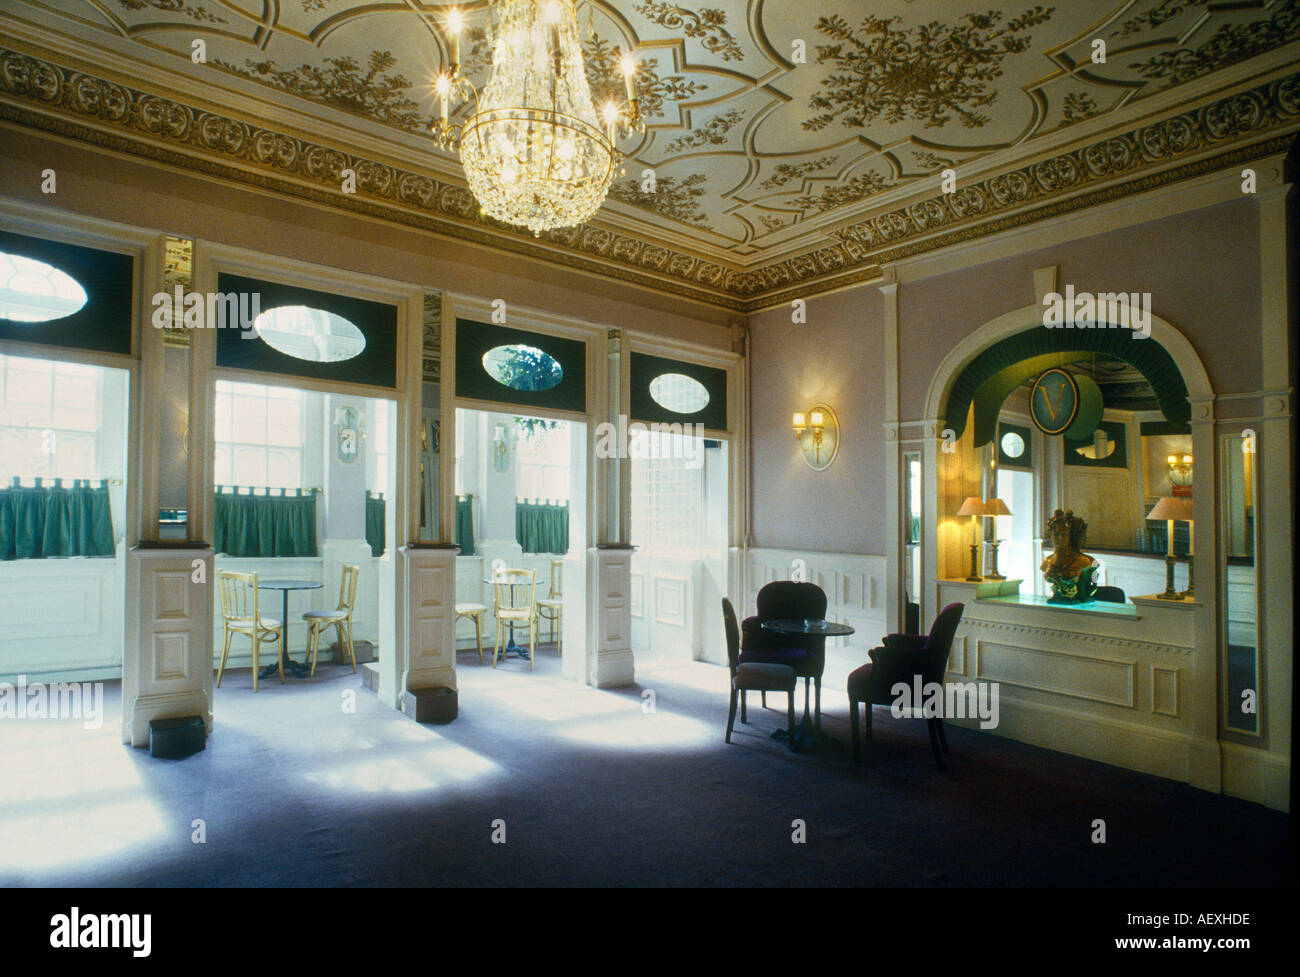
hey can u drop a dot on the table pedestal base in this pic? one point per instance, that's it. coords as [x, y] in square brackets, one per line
[291, 667]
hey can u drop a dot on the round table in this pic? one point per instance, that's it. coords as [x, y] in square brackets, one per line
[290, 666]
[510, 641]
[807, 628]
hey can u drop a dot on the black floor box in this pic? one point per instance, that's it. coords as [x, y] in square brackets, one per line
[177, 737]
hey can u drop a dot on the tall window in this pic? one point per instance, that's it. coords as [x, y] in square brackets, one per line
[543, 455]
[668, 503]
[49, 419]
[380, 412]
[259, 435]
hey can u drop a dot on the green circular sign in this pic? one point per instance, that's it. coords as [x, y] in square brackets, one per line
[1054, 401]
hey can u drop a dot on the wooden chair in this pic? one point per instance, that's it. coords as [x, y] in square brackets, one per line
[476, 612]
[509, 609]
[551, 607]
[755, 677]
[239, 614]
[340, 618]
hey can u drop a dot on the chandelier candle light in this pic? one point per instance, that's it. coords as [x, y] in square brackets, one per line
[535, 151]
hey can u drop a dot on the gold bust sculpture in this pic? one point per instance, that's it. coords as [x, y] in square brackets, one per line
[1069, 570]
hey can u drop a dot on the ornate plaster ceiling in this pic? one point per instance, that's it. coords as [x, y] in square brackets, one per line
[788, 142]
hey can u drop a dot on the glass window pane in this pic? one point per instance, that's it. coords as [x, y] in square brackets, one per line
[249, 466]
[284, 423]
[249, 419]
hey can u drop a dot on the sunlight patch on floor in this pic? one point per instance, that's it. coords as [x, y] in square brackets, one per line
[443, 766]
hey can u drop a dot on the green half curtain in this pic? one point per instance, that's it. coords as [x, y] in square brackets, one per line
[51, 521]
[465, 524]
[265, 525]
[375, 523]
[542, 527]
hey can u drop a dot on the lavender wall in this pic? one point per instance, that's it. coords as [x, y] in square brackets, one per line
[835, 358]
[1201, 268]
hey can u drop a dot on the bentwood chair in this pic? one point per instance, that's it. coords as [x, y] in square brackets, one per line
[240, 615]
[514, 601]
[903, 658]
[475, 613]
[755, 677]
[340, 618]
[805, 654]
[551, 607]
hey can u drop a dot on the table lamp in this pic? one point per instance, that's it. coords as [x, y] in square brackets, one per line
[996, 507]
[974, 507]
[1171, 509]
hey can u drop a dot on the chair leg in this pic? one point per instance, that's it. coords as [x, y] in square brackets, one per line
[225, 651]
[789, 722]
[279, 656]
[532, 644]
[559, 630]
[256, 662]
[763, 699]
[817, 713]
[943, 737]
[853, 730]
[744, 717]
[867, 723]
[478, 635]
[352, 651]
[313, 639]
[731, 716]
[496, 643]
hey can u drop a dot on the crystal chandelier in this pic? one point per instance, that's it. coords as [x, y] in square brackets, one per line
[535, 152]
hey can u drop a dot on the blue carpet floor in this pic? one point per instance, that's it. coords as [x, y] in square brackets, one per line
[544, 782]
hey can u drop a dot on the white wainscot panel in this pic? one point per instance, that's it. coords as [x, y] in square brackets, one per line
[1106, 680]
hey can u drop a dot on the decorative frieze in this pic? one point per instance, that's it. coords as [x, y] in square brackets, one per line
[1232, 130]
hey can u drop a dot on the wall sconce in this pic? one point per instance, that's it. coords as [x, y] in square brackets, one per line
[996, 507]
[1180, 474]
[974, 506]
[818, 434]
[500, 448]
[1172, 509]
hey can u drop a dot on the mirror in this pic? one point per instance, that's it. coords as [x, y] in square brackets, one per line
[1240, 593]
[912, 530]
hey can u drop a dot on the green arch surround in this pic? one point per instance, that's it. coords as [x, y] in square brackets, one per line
[991, 376]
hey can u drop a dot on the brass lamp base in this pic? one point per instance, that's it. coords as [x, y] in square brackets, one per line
[974, 564]
[993, 557]
[1170, 593]
[1189, 593]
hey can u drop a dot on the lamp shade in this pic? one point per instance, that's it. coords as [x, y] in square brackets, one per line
[996, 507]
[799, 421]
[973, 506]
[1170, 507]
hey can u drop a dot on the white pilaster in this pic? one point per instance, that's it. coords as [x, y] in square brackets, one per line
[609, 617]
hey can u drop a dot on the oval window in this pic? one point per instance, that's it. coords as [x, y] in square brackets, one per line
[679, 393]
[309, 334]
[1013, 445]
[522, 367]
[32, 291]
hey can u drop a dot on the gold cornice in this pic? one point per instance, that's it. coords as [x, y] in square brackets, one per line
[1239, 127]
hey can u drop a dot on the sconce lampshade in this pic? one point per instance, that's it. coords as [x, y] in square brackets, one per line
[816, 419]
[973, 506]
[996, 507]
[799, 422]
[1169, 507]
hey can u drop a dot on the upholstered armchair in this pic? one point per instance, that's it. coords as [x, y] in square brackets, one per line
[805, 654]
[901, 659]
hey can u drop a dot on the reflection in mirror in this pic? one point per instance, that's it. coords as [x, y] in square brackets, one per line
[1240, 591]
[912, 538]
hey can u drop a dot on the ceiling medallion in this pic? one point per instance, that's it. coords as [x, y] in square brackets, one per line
[534, 149]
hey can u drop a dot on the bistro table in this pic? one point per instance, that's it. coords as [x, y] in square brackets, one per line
[510, 642]
[290, 666]
[808, 628]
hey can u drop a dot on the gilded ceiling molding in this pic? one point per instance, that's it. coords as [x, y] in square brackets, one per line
[1247, 125]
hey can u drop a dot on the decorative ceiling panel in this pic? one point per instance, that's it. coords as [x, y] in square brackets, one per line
[785, 142]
